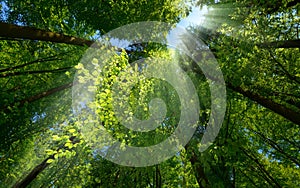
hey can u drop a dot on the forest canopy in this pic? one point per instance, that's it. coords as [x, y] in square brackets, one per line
[57, 54]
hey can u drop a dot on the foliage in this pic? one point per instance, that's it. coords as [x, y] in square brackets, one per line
[256, 147]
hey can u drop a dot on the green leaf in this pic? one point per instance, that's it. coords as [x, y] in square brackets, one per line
[50, 161]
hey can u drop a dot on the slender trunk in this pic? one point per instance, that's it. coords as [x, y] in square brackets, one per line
[280, 6]
[34, 72]
[268, 103]
[280, 109]
[41, 60]
[198, 168]
[275, 44]
[282, 44]
[33, 98]
[262, 168]
[42, 166]
[157, 177]
[24, 32]
[29, 63]
[274, 145]
[33, 174]
[199, 171]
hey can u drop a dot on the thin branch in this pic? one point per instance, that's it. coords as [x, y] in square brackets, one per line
[261, 167]
[50, 58]
[34, 72]
[276, 147]
[291, 77]
[248, 178]
[36, 97]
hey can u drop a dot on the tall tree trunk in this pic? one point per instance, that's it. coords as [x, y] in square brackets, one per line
[280, 109]
[34, 72]
[279, 5]
[197, 167]
[41, 167]
[273, 182]
[157, 177]
[42, 60]
[268, 103]
[33, 174]
[282, 44]
[39, 96]
[24, 32]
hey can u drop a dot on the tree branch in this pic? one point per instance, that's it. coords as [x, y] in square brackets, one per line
[33, 98]
[276, 147]
[46, 59]
[261, 167]
[34, 72]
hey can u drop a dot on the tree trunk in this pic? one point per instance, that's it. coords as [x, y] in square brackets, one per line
[279, 5]
[285, 112]
[268, 103]
[40, 167]
[24, 32]
[42, 60]
[282, 44]
[34, 72]
[198, 169]
[39, 96]
[270, 179]
[33, 174]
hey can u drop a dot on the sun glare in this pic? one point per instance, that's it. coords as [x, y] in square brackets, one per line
[196, 17]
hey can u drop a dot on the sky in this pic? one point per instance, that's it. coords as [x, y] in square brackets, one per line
[196, 17]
